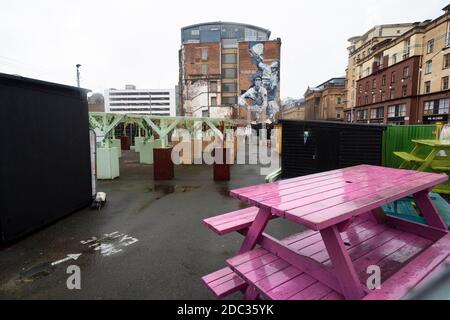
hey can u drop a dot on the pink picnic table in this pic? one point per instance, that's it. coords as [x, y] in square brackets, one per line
[347, 233]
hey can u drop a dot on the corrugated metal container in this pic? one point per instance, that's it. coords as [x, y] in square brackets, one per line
[399, 138]
[315, 146]
[45, 166]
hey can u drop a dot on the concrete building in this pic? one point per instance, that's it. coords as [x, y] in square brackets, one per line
[326, 101]
[141, 101]
[218, 62]
[293, 109]
[407, 78]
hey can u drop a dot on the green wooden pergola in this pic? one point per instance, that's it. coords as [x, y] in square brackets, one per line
[106, 122]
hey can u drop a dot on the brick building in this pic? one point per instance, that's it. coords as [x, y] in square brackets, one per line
[218, 63]
[404, 79]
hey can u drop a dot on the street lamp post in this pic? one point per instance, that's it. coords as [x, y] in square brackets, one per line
[78, 74]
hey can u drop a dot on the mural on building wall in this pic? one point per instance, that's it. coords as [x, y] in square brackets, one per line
[263, 93]
[195, 94]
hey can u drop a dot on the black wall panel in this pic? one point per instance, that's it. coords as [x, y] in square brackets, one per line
[314, 146]
[44, 154]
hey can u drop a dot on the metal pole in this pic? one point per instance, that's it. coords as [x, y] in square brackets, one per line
[78, 74]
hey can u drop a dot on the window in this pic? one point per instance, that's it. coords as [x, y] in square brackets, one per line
[383, 80]
[427, 86]
[229, 58]
[428, 66]
[397, 111]
[377, 113]
[447, 61]
[436, 107]
[229, 73]
[392, 94]
[394, 59]
[204, 69]
[430, 46]
[361, 115]
[448, 34]
[383, 96]
[204, 54]
[404, 91]
[366, 100]
[229, 100]
[393, 77]
[213, 86]
[405, 72]
[213, 102]
[374, 98]
[407, 48]
[360, 88]
[367, 85]
[428, 108]
[444, 83]
[339, 100]
[443, 106]
[374, 83]
[195, 32]
[338, 115]
[229, 87]
[348, 117]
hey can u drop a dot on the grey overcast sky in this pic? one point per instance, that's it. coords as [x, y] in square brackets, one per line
[137, 41]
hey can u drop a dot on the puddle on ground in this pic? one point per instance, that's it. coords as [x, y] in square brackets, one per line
[224, 191]
[168, 189]
[36, 273]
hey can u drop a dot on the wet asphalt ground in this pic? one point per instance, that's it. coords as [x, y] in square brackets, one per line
[148, 242]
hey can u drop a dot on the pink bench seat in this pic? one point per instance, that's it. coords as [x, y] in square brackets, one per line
[224, 282]
[367, 243]
[276, 279]
[232, 221]
[415, 273]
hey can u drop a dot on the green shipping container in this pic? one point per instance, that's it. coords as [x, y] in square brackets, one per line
[399, 138]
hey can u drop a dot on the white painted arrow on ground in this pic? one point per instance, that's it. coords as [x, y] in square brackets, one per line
[69, 257]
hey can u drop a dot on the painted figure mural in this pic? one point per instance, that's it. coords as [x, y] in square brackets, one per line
[264, 91]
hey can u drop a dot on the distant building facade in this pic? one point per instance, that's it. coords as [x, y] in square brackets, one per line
[96, 103]
[326, 101]
[219, 64]
[407, 78]
[141, 101]
[293, 109]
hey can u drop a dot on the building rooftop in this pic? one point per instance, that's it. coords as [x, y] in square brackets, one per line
[332, 82]
[220, 31]
[225, 23]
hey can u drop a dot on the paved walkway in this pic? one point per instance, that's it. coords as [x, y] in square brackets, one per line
[150, 241]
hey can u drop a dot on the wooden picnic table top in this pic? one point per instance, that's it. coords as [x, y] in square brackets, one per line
[325, 199]
[433, 143]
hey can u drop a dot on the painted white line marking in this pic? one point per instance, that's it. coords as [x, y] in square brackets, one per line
[69, 257]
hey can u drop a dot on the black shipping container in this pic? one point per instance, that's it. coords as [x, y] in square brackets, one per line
[316, 146]
[45, 168]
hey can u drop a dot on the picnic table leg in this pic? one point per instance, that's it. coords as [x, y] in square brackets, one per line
[342, 264]
[406, 162]
[251, 293]
[426, 164]
[255, 230]
[429, 210]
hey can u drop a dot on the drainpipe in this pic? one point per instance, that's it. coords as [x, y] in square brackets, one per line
[419, 82]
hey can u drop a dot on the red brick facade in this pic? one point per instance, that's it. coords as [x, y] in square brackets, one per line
[394, 89]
